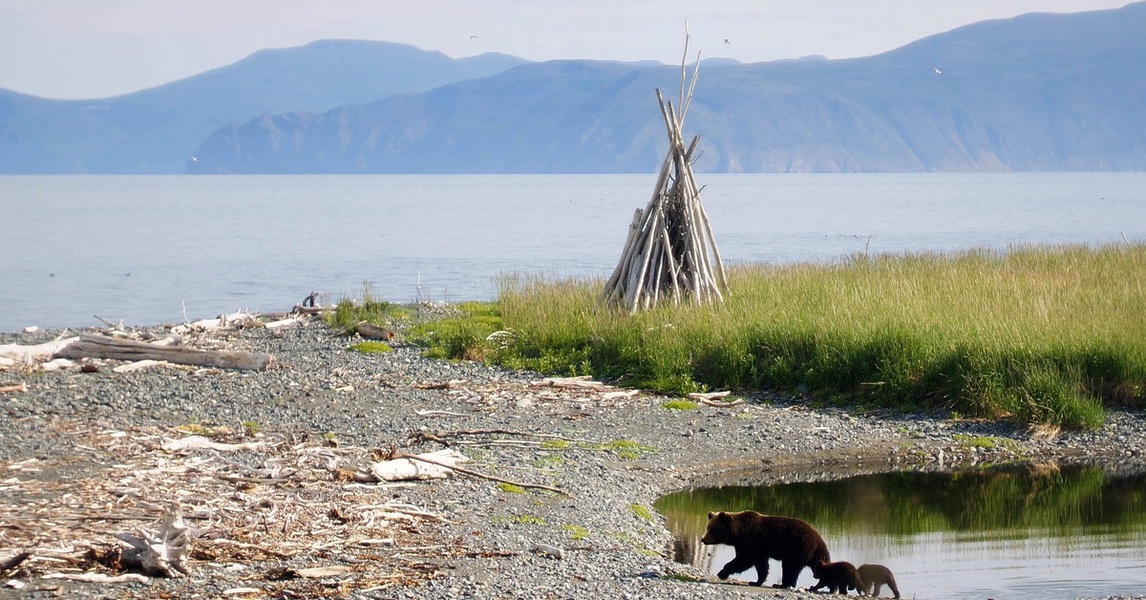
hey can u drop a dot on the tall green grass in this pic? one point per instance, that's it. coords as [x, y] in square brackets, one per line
[1041, 334]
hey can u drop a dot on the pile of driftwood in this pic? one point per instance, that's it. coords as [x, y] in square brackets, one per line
[143, 349]
[670, 251]
[235, 498]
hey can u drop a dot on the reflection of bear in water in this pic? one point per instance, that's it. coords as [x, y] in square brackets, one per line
[874, 576]
[757, 538]
[837, 577]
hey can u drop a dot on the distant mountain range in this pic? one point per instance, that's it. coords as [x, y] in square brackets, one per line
[156, 130]
[1039, 92]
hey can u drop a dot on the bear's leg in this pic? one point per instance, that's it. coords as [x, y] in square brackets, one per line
[761, 571]
[739, 564]
[891, 584]
[878, 585]
[790, 573]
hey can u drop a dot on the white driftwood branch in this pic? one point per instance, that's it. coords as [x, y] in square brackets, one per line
[161, 553]
[100, 577]
[433, 465]
[198, 442]
[102, 346]
[32, 354]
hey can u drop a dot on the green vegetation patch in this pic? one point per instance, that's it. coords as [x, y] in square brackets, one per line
[465, 334]
[520, 520]
[510, 488]
[548, 460]
[372, 347]
[986, 442]
[576, 532]
[641, 512]
[680, 404]
[348, 313]
[625, 449]
[1045, 335]
[205, 430]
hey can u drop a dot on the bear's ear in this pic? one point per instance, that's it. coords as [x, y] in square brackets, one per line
[710, 513]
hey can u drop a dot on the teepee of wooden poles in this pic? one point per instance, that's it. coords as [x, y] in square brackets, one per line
[670, 252]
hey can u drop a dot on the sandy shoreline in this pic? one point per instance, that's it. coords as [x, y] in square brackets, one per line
[87, 455]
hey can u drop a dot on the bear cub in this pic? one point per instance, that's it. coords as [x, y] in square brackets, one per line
[758, 538]
[838, 577]
[874, 576]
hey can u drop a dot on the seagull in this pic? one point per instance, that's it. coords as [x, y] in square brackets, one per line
[938, 71]
[727, 41]
[474, 37]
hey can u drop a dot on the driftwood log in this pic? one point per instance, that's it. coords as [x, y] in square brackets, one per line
[371, 331]
[102, 346]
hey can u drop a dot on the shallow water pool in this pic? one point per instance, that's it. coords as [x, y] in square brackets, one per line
[1020, 532]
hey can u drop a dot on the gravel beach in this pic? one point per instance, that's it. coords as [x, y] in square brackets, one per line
[283, 503]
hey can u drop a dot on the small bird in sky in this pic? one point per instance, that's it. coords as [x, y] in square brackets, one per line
[938, 71]
[474, 36]
[727, 41]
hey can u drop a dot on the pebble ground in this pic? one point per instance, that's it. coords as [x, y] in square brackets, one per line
[494, 541]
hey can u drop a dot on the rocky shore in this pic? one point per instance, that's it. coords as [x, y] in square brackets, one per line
[283, 502]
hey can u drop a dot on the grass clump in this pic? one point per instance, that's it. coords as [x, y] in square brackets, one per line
[641, 512]
[1045, 335]
[464, 334]
[510, 488]
[576, 532]
[680, 404]
[986, 442]
[372, 347]
[548, 460]
[205, 430]
[348, 313]
[626, 449]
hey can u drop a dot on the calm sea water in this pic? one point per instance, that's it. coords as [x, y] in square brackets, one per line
[147, 250]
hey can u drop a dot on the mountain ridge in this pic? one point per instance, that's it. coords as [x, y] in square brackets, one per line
[155, 130]
[1037, 92]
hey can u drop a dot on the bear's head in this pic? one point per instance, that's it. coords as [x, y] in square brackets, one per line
[719, 530]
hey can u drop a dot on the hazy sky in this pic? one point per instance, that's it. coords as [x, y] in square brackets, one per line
[100, 48]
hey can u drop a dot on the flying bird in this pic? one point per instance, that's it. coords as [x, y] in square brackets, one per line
[474, 37]
[727, 41]
[938, 71]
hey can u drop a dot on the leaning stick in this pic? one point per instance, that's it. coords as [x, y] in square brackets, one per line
[718, 263]
[619, 271]
[483, 475]
[672, 267]
[644, 264]
[683, 60]
[692, 86]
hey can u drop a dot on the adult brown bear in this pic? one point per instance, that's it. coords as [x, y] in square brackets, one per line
[758, 537]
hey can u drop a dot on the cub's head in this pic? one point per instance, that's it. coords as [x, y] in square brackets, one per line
[719, 529]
